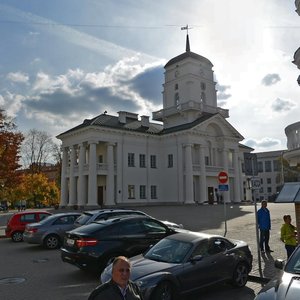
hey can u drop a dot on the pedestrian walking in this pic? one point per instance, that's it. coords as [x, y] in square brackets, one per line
[264, 225]
[119, 287]
[288, 235]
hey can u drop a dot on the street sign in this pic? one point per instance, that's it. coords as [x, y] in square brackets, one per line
[223, 177]
[223, 187]
[255, 183]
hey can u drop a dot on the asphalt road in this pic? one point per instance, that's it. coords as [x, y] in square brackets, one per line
[31, 272]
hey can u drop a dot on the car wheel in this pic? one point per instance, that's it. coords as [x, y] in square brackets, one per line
[17, 236]
[52, 241]
[164, 291]
[240, 275]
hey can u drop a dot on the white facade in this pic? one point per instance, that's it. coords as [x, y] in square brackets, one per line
[122, 160]
[270, 173]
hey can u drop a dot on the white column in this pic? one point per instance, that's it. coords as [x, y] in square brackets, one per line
[226, 194]
[237, 178]
[64, 180]
[72, 199]
[203, 187]
[92, 182]
[119, 163]
[81, 178]
[110, 183]
[189, 189]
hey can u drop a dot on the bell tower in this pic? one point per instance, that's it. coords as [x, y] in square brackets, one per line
[189, 89]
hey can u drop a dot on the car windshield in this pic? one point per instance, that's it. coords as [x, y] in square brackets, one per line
[169, 250]
[293, 266]
[83, 219]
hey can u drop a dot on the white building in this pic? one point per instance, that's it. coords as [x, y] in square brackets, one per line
[270, 172]
[123, 160]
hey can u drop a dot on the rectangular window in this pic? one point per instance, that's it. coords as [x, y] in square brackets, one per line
[170, 161]
[153, 192]
[142, 161]
[153, 161]
[268, 166]
[260, 166]
[206, 160]
[275, 165]
[269, 190]
[142, 192]
[131, 193]
[100, 159]
[269, 180]
[130, 159]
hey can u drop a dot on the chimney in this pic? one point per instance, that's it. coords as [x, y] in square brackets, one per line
[122, 117]
[145, 121]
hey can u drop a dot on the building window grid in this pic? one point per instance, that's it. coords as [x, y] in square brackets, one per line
[130, 159]
[131, 191]
[153, 161]
[170, 161]
[142, 192]
[142, 161]
[153, 192]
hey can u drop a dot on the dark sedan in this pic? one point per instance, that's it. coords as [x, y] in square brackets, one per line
[287, 287]
[92, 246]
[185, 262]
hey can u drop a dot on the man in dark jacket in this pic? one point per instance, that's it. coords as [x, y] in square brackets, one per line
[119, 287]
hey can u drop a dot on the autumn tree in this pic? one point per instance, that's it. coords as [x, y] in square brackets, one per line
[35, 188]
[10, 144]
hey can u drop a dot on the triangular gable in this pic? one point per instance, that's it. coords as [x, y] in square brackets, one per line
[226, 129]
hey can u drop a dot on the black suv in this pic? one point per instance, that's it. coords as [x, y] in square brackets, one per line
[93, 246]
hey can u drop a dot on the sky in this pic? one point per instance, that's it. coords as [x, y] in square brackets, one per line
[63, 61]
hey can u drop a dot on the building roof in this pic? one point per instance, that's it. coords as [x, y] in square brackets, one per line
[110, 121]
[188, 54]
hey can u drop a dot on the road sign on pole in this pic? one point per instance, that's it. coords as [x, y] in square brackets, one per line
[223, 177]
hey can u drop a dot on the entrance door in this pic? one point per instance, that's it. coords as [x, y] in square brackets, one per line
[210, 193]
[100, 195]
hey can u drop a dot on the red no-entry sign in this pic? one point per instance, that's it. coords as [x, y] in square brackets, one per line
[223, 177]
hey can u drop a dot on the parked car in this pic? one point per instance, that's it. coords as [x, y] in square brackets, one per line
[287, 286]
[16, 223]
[187, 261]
[50, 231]
[90, 216]
[94, 245]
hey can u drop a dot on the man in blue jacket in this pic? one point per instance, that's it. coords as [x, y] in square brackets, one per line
[264, 225]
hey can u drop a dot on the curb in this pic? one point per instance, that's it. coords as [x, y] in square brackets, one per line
[258, 279]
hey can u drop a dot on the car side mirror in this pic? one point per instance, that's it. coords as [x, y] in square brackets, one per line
[196, 258]
[279, 264]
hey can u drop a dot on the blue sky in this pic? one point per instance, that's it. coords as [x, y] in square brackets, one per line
[63, 61]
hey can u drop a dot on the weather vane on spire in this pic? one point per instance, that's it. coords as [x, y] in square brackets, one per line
[186, 28]
[187, 46]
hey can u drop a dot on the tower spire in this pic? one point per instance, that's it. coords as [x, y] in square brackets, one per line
[187, 44]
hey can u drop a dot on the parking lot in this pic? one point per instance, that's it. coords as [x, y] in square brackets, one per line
[31, 272]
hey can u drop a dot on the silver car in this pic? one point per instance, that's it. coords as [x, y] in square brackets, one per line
[50, 231]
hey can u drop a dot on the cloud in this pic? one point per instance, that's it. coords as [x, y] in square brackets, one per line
[222, 93]
[270, 79]
[280, 105]
[148, 84]
[18, 77]
[264, 143]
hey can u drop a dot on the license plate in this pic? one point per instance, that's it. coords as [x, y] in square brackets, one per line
[70, 242]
